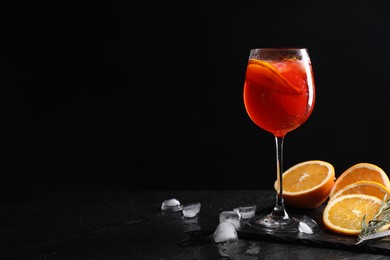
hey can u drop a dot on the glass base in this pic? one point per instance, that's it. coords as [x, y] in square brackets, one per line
[271, 224]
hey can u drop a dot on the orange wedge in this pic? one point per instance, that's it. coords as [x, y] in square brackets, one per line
[344, 214]
[264, 74]
[364, 187]
[360, 172]
[307, 184]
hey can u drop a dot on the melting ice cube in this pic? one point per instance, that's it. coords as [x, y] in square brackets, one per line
[308, 225]
[191, 210]
[304, 228]
[171, 205]
[225, 233]
[246, 212]
[232, 217]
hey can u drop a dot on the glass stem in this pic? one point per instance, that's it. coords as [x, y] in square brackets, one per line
[279, 210]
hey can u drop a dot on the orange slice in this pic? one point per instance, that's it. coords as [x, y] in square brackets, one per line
[360, 172]
[344, 214]
[364, 187]
[307, 184]
[264, 74]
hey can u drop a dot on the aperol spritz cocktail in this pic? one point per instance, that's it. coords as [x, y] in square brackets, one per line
[279, 96]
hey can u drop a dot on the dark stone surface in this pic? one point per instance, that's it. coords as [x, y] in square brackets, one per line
[130, 225]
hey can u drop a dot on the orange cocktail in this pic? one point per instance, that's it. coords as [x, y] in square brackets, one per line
[279, 95]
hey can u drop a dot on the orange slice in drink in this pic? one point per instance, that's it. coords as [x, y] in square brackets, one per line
[307, 184]
[360, 172]
[344, 214]
[364, 187]
[265, 75]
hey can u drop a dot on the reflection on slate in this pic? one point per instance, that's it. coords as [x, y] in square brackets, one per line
[324, 238]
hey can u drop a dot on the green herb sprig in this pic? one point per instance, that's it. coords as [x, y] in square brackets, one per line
[371, 229]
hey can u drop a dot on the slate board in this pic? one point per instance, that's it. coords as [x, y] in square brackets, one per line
[324, 238]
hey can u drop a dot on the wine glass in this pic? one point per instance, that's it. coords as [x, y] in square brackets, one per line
[279, 96]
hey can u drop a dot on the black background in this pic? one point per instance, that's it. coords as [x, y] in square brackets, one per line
[141, 95]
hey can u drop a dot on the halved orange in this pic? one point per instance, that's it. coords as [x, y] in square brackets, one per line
[263, 74]
[364, 187]
[344, 214]
[307, 184]
[360, 172]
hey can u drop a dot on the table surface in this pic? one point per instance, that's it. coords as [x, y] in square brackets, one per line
[130, 225]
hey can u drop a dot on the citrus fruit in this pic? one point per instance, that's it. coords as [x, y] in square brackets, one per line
[364, 187]
[360, 172]
[263, 73]
[307, 184]
[344, 214]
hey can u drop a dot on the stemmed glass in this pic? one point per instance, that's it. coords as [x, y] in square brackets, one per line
[279, 95]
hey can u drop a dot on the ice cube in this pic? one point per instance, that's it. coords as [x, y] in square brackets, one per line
[308, 225]
[171, 205]
[304, 228]
[231, 216]
[191, 210]
[246, 212]
[225, 233]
